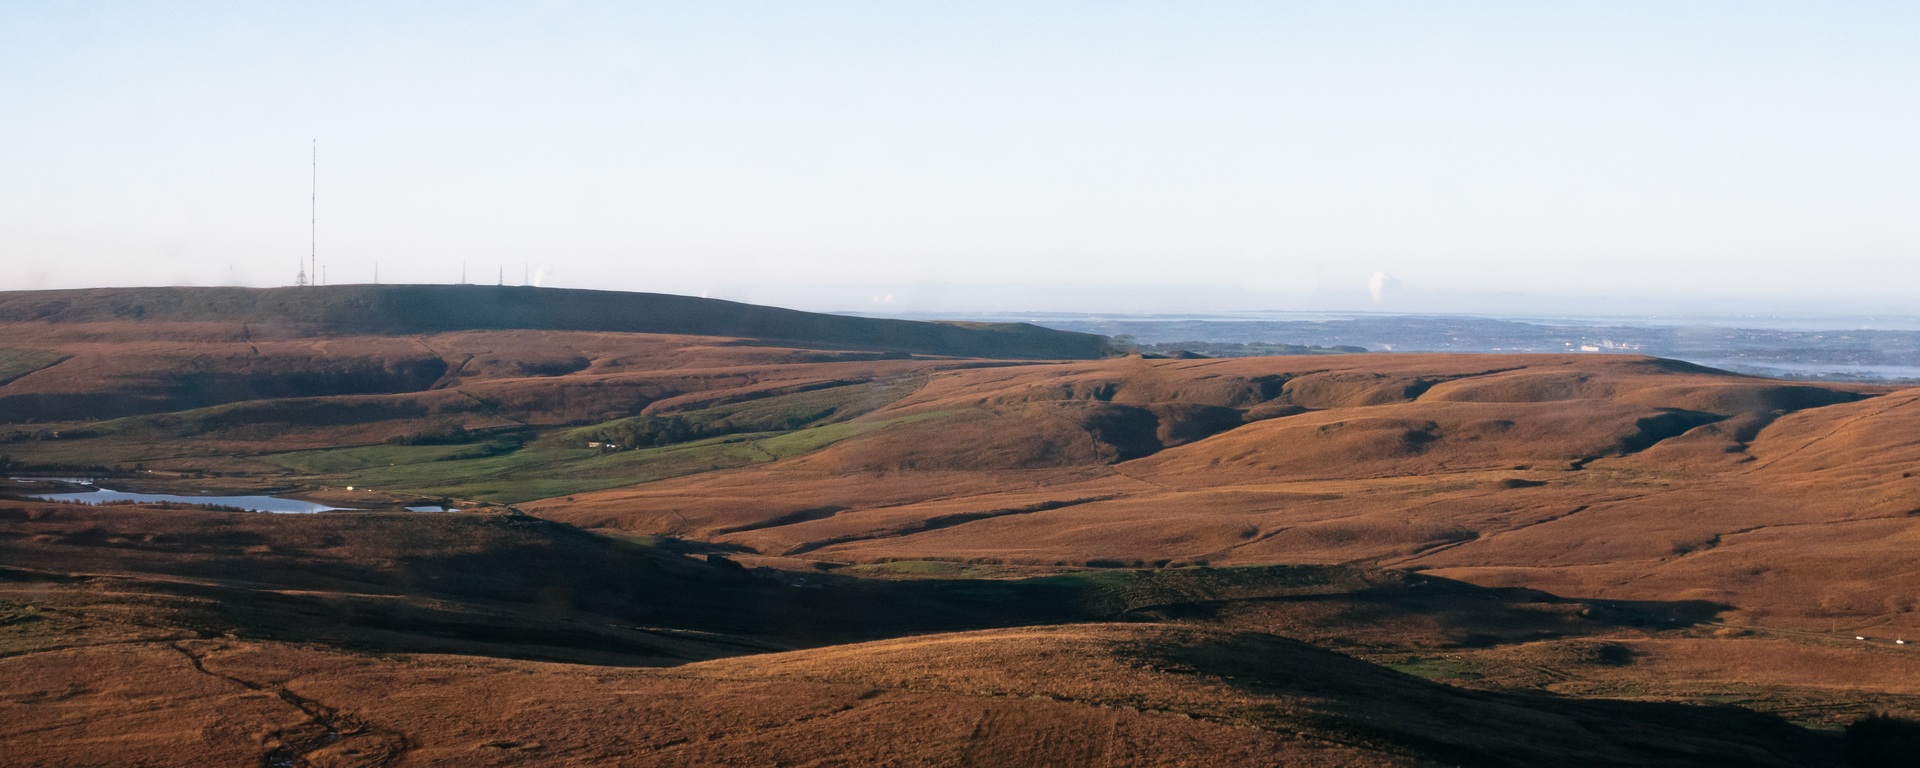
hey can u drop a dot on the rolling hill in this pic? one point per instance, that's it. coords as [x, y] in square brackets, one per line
[699, 532]
[403, 310]
[172, 636]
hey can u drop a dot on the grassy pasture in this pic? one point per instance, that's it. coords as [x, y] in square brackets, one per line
[520, 464]
[15, 363]
[554, 464]
[810, 407]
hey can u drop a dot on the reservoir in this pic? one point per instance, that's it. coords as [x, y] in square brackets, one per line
[250, 503]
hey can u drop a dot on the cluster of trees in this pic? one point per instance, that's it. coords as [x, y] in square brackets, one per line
[24, 435]
[447, 433]
[669, 429]
[648, 432]
[10, 464]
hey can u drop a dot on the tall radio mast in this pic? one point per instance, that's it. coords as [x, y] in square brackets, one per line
[301, 279]
[313, 213]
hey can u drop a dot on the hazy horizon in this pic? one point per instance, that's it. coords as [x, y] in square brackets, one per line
[1496, 158]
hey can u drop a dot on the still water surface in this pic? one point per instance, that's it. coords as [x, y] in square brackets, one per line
[250, 503]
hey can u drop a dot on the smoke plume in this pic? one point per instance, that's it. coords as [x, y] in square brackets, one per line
[1381, 284]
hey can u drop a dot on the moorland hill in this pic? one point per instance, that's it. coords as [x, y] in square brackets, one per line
[822, 546]
[387, 310]
[104, 353]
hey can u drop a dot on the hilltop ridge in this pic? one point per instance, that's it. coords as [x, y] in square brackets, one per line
[388, 310]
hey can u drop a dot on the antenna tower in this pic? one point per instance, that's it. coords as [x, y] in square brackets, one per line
[313, 213]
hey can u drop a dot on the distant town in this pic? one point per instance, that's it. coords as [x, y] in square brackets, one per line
[1794, 348]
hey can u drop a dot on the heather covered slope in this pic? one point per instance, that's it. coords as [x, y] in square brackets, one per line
[168, 636]
[1137, 696]
[1617, 477]
[357, 354]
[1604, 476]
[872, 511]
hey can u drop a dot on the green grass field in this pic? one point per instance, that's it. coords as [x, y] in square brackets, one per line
[489, 465]
[775, 413]
[1438, 669]
[554, 464]
[15, 363]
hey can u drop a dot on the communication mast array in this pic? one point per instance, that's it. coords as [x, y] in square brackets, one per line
[311, 273]
[310, 268]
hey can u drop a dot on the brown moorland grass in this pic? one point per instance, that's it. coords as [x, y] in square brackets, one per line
[167, 636]
[1616, 477]
[1718, 537]
[1088, 695]
[162, 709]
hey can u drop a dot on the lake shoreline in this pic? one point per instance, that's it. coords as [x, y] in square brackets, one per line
[91, 492]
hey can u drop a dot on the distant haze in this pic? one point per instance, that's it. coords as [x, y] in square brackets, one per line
[880, 157]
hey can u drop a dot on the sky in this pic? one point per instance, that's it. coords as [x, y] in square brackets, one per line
[1517, 157]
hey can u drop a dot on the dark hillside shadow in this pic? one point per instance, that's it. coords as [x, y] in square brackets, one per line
[516, 586]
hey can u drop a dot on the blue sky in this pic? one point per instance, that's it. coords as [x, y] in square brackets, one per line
[1491, 157]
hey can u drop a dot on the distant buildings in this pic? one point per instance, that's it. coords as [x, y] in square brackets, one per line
[1612, 346]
